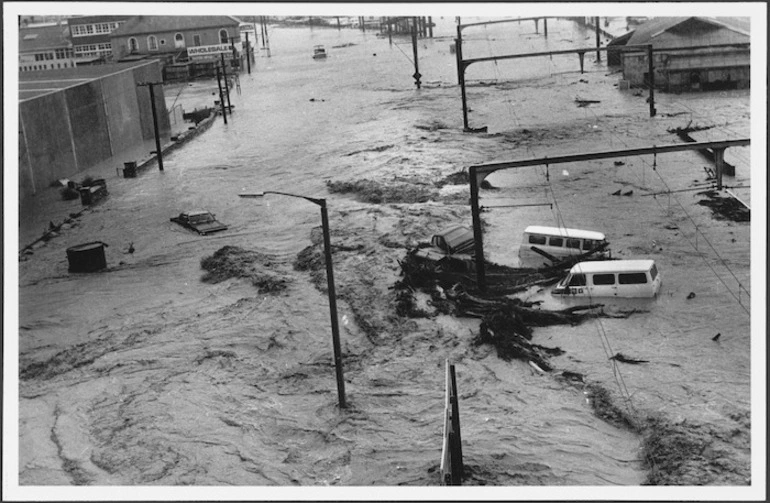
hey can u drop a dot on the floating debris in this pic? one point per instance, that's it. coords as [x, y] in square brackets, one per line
[235, 262]
[620, 357]
[725, 208]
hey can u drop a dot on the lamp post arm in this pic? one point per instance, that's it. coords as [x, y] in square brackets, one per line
[319, 202]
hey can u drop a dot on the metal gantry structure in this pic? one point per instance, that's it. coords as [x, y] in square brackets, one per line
[478, 172]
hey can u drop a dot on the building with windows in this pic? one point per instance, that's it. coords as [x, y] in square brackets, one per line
[168, 37]
[91, 37]
[45, 47]
[690, 53]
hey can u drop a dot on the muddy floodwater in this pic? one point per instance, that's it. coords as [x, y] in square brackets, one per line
[145, 375]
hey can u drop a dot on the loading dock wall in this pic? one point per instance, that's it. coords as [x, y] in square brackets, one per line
[88, 123]
[66, 132]
[121, 112]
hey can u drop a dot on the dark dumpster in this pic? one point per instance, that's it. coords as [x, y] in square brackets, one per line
[87, 257]
[129, 169]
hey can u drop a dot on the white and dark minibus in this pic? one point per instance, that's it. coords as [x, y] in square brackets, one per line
[558, 242]
[611, 278]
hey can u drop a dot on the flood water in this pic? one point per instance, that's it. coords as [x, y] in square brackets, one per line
[151, 377]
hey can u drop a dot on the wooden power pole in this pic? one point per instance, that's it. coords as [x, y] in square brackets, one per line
[158, 152]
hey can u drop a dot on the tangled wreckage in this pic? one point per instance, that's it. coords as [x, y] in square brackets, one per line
[445, 271]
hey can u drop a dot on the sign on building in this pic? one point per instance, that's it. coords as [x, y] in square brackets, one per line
[209, 50]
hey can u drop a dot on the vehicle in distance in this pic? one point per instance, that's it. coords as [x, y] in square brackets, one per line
[319, 52]
[202, 221]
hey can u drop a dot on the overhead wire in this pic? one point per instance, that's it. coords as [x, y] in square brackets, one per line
[689, 217]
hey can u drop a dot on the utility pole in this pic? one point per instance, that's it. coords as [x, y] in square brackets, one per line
[416, 74]
[248, 53]
[545, 27]
[227, 84]
[598, 43]
[651, 71]
[221, 96]
[158, 152]
[430, 26]
[390, 31]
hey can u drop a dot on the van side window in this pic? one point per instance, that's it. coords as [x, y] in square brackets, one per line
[632, 278]
[604, 279]
[555, 241]
[573, 243]
[653, 272]
[577, 280]
[536, 239]
[588, 244]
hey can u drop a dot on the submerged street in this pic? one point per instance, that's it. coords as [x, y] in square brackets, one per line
[143, 374]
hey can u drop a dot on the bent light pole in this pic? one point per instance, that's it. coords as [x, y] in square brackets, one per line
[330, 281]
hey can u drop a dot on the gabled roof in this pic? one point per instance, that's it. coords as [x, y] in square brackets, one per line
[44, 37]
[647, 32]
[140, 25]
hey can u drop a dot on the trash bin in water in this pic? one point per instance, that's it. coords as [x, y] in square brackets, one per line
[129, 169]
[87, 257]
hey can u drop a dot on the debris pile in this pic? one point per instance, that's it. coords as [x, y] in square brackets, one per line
[506, 322]
[725, 208]
[370, 191]
[235, 262]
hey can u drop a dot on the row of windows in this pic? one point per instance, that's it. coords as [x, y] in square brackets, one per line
[83, 30]
[58, 54]
[33, 68]
[587, 244]
[152, 41]
[624, 278]
[93, 49]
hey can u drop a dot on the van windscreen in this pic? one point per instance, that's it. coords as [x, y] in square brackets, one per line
[536, 239]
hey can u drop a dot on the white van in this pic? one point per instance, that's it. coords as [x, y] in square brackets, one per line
[558, 242]
[611, 278]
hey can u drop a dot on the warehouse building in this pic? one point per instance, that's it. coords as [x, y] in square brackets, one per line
[690, 53]
[70, 120]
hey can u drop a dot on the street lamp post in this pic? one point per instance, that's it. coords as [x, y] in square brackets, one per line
[330, 281]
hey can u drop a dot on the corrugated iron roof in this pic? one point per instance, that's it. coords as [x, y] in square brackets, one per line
[647, 32]
[157, 24]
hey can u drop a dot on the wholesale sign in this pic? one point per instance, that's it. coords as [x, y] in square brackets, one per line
[209, 50]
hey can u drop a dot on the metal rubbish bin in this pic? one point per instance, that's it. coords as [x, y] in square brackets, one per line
[87, 257]
[129, 169]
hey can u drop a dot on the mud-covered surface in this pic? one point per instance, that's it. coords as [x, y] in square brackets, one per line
[145, 374]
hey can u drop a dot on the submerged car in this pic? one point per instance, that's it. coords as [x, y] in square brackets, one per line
[451, 246]
[319, 52]
[202, 221]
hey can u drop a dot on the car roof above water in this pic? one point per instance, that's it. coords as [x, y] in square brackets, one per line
[612, 266]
